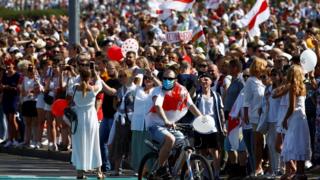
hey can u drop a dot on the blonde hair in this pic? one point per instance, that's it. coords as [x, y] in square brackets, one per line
[258, 67]
[84, 75]
[295, 77]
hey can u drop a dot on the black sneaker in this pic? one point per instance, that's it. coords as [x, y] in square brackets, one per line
[163, 173]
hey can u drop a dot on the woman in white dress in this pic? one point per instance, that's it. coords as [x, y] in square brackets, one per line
[296, 144]
[85, 141]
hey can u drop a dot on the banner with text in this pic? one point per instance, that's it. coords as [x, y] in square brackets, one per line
[178, 36]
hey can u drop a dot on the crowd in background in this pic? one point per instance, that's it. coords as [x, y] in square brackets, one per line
[38, 65]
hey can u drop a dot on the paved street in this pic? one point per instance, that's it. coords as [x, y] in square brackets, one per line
[22, 167]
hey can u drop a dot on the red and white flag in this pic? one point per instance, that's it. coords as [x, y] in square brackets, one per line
[178, 5]
[213, 4]
[154, 6]
[259, 13]
[198, 35]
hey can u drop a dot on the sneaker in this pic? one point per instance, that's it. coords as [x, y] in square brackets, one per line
[38, 145]
[32, 145]
[308, 164]
[16, 144]
[163, 173]
[52, 147]
[8, 144]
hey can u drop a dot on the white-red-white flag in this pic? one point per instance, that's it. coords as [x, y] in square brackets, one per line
[178, 5]
[198, 35]
[156, 11]
[213, 4]
[259, 13]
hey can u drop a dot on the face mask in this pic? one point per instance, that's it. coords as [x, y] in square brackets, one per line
[168, 84]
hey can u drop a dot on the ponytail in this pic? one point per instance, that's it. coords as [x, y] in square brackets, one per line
[84, 88]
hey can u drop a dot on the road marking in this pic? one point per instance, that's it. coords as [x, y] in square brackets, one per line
[55, 170]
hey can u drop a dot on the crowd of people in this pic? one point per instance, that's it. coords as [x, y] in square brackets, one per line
[231, 76]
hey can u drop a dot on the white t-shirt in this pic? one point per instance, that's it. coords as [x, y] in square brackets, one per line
[253, 95]
[153, 119]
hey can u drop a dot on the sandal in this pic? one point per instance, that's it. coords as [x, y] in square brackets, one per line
[82, 177]
[100, 175]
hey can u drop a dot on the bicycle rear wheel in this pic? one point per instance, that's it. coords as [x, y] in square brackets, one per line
[200, 169]
[148, 166]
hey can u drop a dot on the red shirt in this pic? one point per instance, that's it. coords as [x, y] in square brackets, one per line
[100, 96]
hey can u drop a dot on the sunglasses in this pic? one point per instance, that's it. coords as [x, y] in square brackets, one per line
[83, 64]
[147, 78]
[203, 65]
[168, 78]
[245, 76]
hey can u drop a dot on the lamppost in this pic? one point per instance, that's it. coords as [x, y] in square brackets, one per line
[74, 21]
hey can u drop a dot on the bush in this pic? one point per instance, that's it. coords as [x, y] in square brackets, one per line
[30, 14]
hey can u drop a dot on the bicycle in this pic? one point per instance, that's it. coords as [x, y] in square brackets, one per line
[182, 161]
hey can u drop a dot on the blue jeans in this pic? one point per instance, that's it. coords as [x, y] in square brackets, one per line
[248, 139]
[104, 132]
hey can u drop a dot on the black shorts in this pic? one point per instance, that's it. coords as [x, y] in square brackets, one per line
[205, 141]
[29, 109]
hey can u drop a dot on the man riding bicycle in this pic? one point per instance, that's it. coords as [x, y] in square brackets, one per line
[171, 102]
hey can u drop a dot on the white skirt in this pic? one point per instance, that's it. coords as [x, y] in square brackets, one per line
[296, 144]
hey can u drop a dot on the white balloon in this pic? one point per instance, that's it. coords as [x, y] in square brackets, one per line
[129, 45]
[308, 60]
[204, 124]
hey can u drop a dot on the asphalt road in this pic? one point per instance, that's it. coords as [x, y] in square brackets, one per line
[22, 167]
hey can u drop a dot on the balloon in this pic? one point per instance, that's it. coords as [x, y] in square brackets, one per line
[58, 107]
[204, 124]
[114, 53]
[308, 60]
[129, 45]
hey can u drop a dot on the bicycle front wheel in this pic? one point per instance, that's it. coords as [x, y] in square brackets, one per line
[198, 169]
[148, 166]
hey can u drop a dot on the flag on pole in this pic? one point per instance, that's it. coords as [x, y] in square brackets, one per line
[213, 4]
[259, 13]
[178, 5]
[198, 35]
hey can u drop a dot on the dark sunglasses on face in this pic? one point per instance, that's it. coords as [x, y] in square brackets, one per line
[147, 78]
[245, 76]
[84, 64]
[168, 78]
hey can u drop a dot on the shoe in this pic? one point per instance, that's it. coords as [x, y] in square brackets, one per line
[32, 145]
[163, 173]
[38, 145]
[52, 147]
[308, 164]
[15, 144]
[100, 175]
[8, 144]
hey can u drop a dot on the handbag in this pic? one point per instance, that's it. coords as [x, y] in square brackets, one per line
[48, 99]
[71, 115]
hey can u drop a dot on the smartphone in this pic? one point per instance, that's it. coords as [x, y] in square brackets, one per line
[92, 65]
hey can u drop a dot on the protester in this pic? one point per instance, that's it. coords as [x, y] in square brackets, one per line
[85, 142]
[210, 103]
[222, 40]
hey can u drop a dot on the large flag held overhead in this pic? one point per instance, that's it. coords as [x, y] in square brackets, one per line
[213, 4]
[259, 13]
[178, 5]
[154, 6]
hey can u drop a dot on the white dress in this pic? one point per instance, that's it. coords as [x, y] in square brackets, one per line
[85, 142]
[296, 144]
